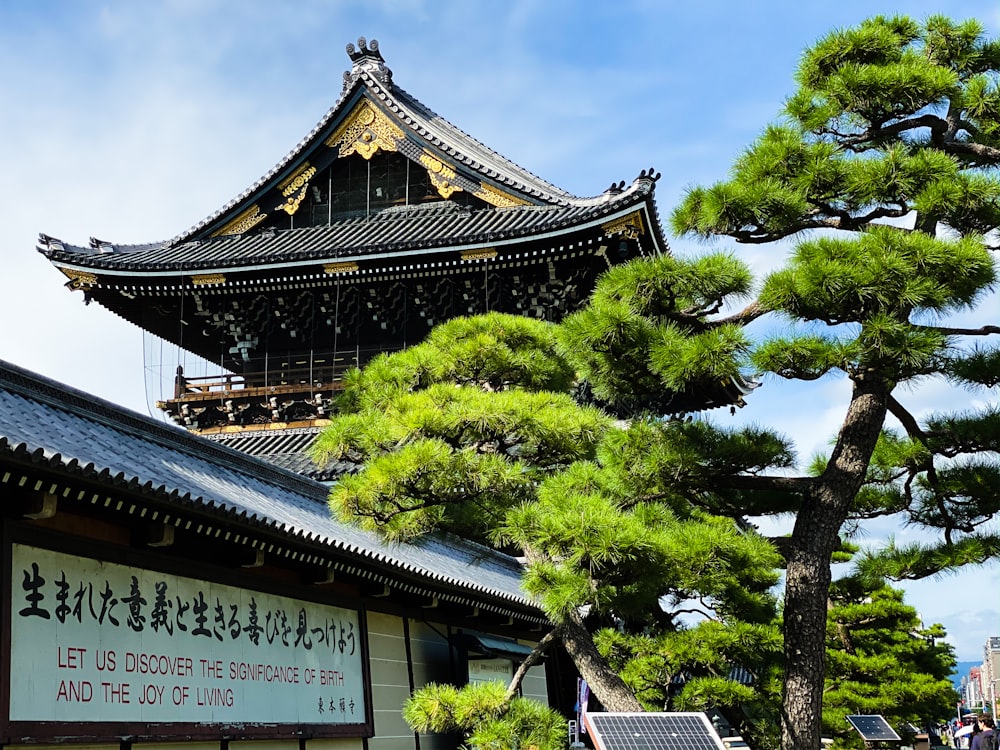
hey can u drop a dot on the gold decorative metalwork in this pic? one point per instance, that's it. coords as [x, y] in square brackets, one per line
[444, 186]
[441, 174]
[629, 226]
[298, 180]
[365, 131]
[208, 278]
[345, 267]
[291, 205]
[497, 197]
[484, 254]
[79, 279]
[242, 223]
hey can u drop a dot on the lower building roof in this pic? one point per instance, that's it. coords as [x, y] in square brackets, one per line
[289, 449]
[45, 424]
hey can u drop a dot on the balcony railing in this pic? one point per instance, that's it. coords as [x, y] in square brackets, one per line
[249, 385]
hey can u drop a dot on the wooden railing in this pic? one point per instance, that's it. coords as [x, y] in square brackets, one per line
[275, 381]
[251, 384]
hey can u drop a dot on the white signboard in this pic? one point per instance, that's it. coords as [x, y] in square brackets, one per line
[490, 670]
[94, 641]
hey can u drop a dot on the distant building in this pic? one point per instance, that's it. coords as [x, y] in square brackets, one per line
[989, 673]
[980, 687]
[972, 689]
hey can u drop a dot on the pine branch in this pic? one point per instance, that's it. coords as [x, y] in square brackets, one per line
[983, 331]
[759, 235]
[956, 124]
[843, 632]
[531, 660]
[944, 134]
[936, 124]
[915, 432]
[907, 420]
[766, 483]
[980, 152]
[916, 561]
[747, 315]
[826, 217]
[695, 611]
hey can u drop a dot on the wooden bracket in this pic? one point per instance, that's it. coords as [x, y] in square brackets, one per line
[39, 506]
[252, 558]
[319, 576]
[153, 535]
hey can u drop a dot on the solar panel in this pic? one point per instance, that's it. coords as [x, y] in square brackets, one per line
[652, 731]
[873, 728]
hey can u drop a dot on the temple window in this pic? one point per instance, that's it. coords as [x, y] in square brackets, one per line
[354, 186]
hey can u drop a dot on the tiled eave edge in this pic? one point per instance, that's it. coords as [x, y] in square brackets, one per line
[112, 416]
[88, 407]
[81, 262]
[129, 496]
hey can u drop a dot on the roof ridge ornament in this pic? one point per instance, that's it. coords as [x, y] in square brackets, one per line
[101, 246]
[365, 58]
[647, 176]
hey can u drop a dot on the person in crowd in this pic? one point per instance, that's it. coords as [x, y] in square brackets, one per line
[968, 738]
[982, 735]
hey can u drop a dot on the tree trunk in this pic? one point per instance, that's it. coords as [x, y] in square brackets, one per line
[604, 682]
[814, 538]
[533, 658]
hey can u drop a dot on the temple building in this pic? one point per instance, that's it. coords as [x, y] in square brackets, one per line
[384, 220]
[163, 592]
[167, 588]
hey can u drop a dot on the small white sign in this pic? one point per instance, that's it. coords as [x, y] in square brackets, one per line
[93, 641]
[490, 670]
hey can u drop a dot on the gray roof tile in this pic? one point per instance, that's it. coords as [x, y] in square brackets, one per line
[288, 449]
[77, 433]
[440, 226]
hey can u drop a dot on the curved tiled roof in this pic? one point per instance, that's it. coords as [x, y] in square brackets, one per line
[375, 82]
[75, 434]
[289, 449]
[410, 230]
[549, 211]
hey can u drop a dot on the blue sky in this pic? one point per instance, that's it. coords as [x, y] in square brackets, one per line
[133, 121]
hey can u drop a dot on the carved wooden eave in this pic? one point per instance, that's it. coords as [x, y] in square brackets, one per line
[630, 226]
[365, 130]
[79, 279]
[198, 295]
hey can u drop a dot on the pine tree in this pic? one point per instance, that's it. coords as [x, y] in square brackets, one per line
[888, 151]
[468, 433]
[891, 143]
[457, 430]
[882, 660]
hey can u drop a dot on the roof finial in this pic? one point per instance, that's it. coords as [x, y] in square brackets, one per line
[366, 58]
